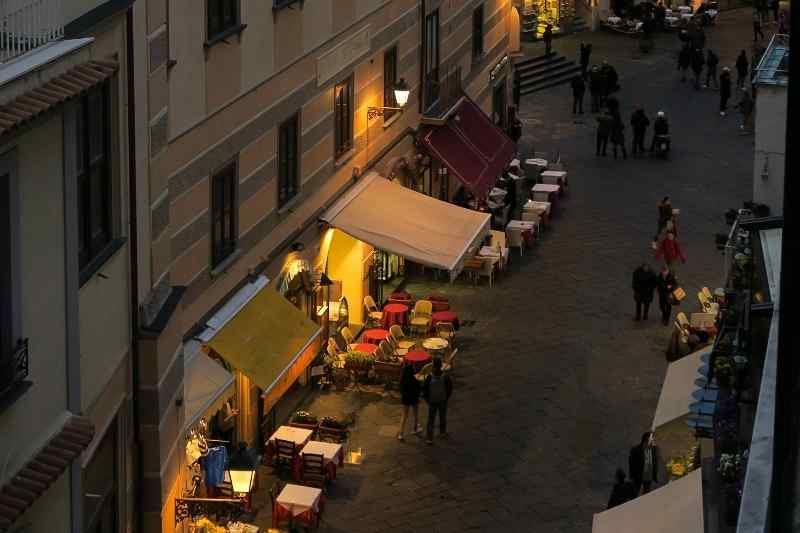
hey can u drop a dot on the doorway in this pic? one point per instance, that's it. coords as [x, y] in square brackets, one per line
[499, 104]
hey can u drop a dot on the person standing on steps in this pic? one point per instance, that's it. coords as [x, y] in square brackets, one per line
[644, 286]
[741, 69]
[437, 389]
[639, 124]
[724, 90]
[547, 36]
[578, 90]
[711, 68]
[604, 121]
[586, 52]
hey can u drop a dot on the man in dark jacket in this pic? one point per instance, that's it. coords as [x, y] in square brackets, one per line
[596, 88]
[586, 52]
[697, 66]
[639, 124]
[711, 68]
[622, 491]
[644, 464]
[578, 89]
[644, 285]
[618, 135]
[547, 37]
[603, 131]
[741, 69]
[724, 90]
[666, 283]
[437, 389]
[610, 77]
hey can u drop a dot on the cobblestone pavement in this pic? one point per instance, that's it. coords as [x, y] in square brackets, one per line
[555, 380]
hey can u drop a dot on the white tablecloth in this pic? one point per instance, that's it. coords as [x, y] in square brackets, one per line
[520, 225]
[297, 435]
[488, 251]
[552, 176]
[328, 450]
[537, 207]
[613, 20]
[297, 499]
[536, 162]
[545, 187]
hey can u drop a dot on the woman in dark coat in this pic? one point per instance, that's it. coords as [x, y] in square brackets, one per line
[618, 135]
[644, 285]
[741, 69]
[666, 283]
[644, 464]
[724, 90]
[410, 391]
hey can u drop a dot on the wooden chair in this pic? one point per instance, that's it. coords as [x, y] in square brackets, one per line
[420, 320]
[423, 373]
[274, 492]
[403, 345]
[314, 473]
[446, 331]
[285, 453]
[499, 243]
[348, 336]
[487, 270]
[384, 352]
[450, 361]
[374, 315]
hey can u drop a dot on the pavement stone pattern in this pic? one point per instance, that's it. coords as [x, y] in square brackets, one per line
[555, 381]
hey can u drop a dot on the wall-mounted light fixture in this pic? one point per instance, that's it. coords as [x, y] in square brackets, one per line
[401, 93]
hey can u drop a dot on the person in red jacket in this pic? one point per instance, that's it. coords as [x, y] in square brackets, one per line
[670, 250]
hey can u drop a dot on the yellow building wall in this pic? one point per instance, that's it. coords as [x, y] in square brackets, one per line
[345, 263]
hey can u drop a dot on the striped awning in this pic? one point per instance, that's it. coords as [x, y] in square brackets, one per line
[22, 490]
[58, 90]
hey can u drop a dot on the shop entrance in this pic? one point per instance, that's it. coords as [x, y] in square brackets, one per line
[349, 266]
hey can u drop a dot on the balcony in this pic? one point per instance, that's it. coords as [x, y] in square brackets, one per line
[14, 374]
[26, 25]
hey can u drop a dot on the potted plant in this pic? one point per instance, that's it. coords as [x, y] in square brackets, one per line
[725, 371]
[304, 419]
[731, 469]
[332, 429]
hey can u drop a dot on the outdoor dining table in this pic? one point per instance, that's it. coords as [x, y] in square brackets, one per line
[298, 504]
[394, 314]
[435, 344]
[299, 436]
[555, 177]
[374, 336]
[331, 452]
[445, 316]
[545, 192]
[517, 230]
[364, 347]
[417, 356]
[534, 166]
[439, 302]
[400, 297]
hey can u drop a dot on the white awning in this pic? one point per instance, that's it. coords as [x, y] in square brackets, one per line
[206, 385]
[675, 507]
[679, 387]
[398, 220]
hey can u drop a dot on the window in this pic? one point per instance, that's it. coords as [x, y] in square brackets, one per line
[287, 159]
[223, 15]
[223, 213]
[93, 126]
[477, 32]
[499, 104]
[431, 59]
[100, 479]
[343, 116]
[389, 81]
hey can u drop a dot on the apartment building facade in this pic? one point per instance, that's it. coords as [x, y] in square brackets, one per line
[65, 331]
[256, 119]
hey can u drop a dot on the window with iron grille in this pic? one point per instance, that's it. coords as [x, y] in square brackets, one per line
[92, 140]
[223, 213]
[389, 81]
[477, 32]
[222, 16]
[288, 141]
[343, 117]
[431, 59]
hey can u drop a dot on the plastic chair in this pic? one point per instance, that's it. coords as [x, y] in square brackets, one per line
[421, 316]
[450, 361]
[446, 331]
[403, 345]
[348, 336]
[374, 315]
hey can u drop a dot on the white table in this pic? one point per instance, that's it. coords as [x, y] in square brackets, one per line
[537, 207]
[671, 21]
[297, 499]
[488, 251]
[554, 177]
[684, 9]
[613, 20]
[536, 162]
[330, 451]
[435, 344]
[297, 435]
[543, 191]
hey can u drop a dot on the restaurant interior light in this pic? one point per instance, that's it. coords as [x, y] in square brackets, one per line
[401, 92]
[242, 479]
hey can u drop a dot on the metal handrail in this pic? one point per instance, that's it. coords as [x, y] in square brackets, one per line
[28, 24]
[773, 67]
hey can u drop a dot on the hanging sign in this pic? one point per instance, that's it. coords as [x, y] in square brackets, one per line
[498, 68]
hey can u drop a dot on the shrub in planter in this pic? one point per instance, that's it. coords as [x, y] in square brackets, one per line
[725, 371]
[358, 361]
[732, 465]
[305, 418]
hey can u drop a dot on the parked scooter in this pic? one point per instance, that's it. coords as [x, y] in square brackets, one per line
[662, 147]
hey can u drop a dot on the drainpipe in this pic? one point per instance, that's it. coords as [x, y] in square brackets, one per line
[134, 266]
[422, 50]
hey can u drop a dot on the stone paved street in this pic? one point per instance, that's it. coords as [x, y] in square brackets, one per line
[555, 380]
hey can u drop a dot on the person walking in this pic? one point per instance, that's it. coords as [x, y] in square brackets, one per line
[618, 135]
[437, 390]
[660, 128]
[644, 463]
[758, 33]
[775, 6]
[664, 213]
[724, 90]
[745, 106]
[741, 69]
[610, 79]
[665, 283]
[547, 37]
[644, 286]
[578, 89]
[604, 121]
[410, 390]
[586, 53]
[670, 250]
[697, 66]
[684, 60]
[622, 491]
[596, 88]
[639, 124]
[711, 69]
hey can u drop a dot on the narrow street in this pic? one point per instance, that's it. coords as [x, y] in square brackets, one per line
[555, 381]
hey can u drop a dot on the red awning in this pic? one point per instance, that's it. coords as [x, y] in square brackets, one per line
[472, 148]
[43, 469]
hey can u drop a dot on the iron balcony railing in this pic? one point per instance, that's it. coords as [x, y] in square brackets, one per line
[14, 367]
[28, 24]
[773, 68]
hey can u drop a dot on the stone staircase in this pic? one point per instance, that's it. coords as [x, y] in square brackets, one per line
[545, 71]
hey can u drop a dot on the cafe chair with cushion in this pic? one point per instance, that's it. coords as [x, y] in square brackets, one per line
[446, 331]
[403, 345]
[449, 362]
[285, 453]
[314, 474]
[348, 336]
[374, 315]
[499, 243]
[385, 352]
[681, 319]
[421, 316]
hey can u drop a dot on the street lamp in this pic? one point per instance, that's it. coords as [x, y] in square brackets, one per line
[242, 478]
[401, 93]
